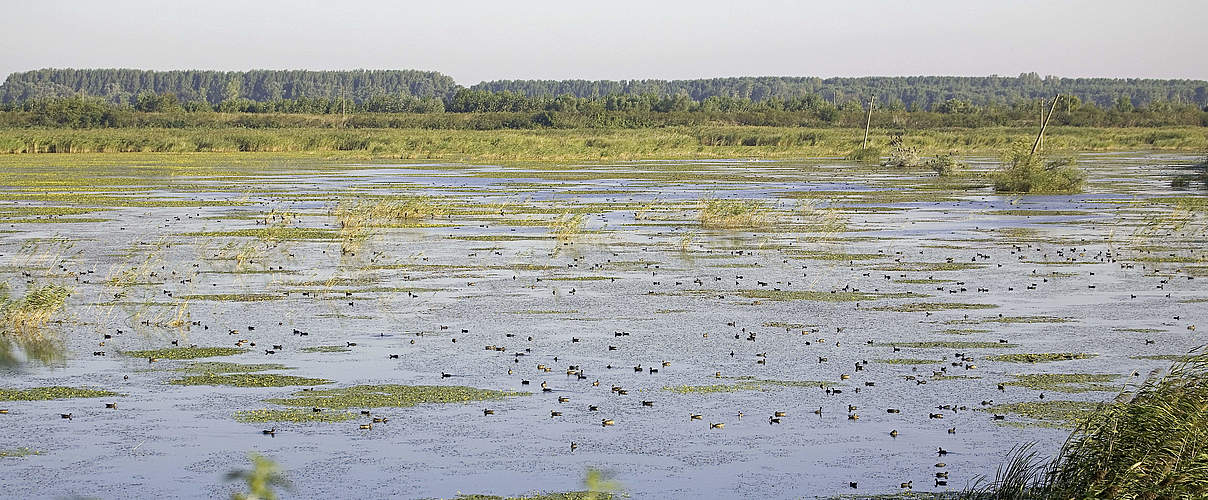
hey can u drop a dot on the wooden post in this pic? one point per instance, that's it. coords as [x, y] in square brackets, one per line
[867, 125]
[1044, 124]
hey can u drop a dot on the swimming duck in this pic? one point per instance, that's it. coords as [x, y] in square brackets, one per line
[717, 425]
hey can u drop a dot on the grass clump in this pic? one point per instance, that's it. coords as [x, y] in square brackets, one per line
[23, 323]
[248, 380]
[19, 452]
[1150, 444]
[568, 226]
[185, 352]
[396, 396]
[1024, 172]
[1040, 357]
[718, 213]
[291, 415]
[52, 392]
[869, 155]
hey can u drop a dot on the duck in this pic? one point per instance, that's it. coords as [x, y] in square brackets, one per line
[694, 416]
[270, 432]
[367, 426]
[779, 414]
[606, 422]
[893, 433]
[487, 411]
[717, 425]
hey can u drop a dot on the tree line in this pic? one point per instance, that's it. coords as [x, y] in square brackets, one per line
[300, 91]
[483, 110]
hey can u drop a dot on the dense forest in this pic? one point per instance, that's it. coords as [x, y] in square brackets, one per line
[123, 86]
[417, 91]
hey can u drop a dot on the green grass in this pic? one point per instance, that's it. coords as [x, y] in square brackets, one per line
[52, 392]
[1061, 413]
[716, 213]
[1039, 357]
[815, 296]
[185, 352]
[248, 380]
[396, 396]
[1024, 172]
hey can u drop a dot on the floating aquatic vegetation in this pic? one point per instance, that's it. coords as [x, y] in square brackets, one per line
[326, 348]
[949, 344]
[224, 367]
[1039, 357]
[390, 395]
[248, 380]
[932, 306]
[52, 392]
[1065, 382]
[292, 415]
[185, 352]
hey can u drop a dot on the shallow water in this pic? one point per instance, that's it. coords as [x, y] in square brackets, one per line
[471, 272]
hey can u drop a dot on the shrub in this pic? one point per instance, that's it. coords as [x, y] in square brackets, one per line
[1024, 172]
[901, 155]
[945, 165]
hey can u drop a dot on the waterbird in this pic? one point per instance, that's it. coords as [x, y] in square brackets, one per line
[606, 422]
[694, 416]
[366, 426]
[111, 405]
[270, 432]
[65, 415]
[717, 425]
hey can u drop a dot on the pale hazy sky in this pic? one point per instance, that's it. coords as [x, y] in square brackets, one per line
[617, 39]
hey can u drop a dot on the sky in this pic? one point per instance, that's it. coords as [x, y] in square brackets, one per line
[473, 41]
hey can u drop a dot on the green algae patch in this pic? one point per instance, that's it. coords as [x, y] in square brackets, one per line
[908, 361]
[1054, 413]
[224, 367]
[52, 392]
[1043, 357]
[932, 306]
[396, 396]
[1065, 382]
[948, 344]
[326, 348]
[248, 380]
[185, 352]
[292, 415]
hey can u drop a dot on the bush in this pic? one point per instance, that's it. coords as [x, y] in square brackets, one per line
[1024, 172]
[901, 155]
[945, 165]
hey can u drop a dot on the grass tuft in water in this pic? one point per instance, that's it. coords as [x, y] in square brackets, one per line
[185, 352]
[248, 380]
[397, 396]
[52, 392]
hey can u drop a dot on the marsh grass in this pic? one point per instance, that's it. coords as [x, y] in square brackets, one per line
[1024, 172]
[24, 320]
[868, 155]
[568, 227]
[1044, 357]
[717, 213]
[1150, 444]
[901, 155]
[945, 165]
